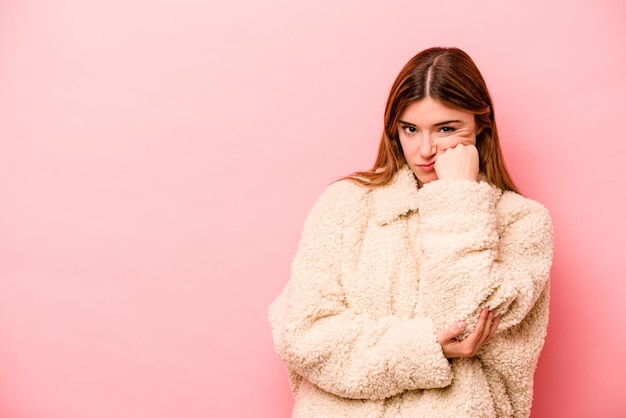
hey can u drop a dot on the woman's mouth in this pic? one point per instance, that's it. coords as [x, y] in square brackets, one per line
[427, 167]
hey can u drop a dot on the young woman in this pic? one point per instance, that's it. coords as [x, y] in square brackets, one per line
[420, 288]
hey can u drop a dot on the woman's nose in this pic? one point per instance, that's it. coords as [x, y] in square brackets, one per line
[427, 147]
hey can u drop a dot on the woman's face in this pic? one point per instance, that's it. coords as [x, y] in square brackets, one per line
[427, 128]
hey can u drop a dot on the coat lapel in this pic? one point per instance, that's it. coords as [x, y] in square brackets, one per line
[396, 198]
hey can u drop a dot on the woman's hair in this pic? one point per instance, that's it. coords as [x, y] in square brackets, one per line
[450, 76]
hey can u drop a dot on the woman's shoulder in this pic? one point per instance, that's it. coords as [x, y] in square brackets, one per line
[343, 192]
[339, 200]
[515, 205]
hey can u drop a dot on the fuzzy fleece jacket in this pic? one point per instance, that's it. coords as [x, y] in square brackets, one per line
[379, 270]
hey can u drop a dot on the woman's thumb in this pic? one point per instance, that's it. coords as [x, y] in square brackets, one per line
[457, 328]
[452, 332]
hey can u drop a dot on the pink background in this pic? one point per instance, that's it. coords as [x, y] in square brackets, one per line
[157, 160]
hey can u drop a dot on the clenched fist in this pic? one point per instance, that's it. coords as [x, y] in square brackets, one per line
[458, 163]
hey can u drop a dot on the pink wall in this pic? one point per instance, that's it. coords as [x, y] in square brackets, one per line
[157, 159]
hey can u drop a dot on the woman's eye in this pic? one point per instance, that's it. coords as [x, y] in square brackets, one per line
[446, 129]
[409, 129]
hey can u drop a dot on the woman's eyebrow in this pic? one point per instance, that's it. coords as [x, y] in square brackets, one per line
[447, 122]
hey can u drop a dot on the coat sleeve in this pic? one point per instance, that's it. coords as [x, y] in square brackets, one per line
[320, 338]
[510, 357]
[479, 249]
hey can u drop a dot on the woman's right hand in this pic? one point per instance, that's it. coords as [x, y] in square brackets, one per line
[469, 346]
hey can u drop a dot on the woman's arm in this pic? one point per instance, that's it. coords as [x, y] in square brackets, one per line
[343, 352]
[480, 249]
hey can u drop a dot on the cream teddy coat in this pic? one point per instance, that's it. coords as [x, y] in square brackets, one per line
[379, 270]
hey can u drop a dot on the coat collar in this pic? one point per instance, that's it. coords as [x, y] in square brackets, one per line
[400, 196]
[397, 198]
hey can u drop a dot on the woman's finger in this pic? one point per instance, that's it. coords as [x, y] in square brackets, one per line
[494, 326]
[451, 333]
[472, 342]
[486, 331]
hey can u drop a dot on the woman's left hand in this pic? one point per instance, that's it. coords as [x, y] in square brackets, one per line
[485, 328]
[458, 163]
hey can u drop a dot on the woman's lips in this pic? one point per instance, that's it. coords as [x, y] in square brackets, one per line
[426, 167]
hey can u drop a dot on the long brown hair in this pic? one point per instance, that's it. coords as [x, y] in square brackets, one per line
[450, 76]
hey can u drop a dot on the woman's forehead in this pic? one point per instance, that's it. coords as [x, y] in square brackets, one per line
[429, 111]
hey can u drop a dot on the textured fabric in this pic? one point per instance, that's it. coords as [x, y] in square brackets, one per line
[379, 270]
